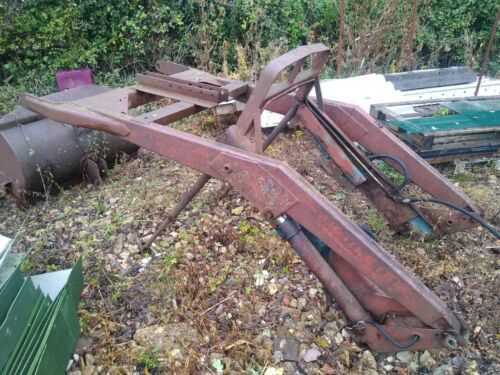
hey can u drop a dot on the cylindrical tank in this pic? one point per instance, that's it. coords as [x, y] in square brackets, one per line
[36, 152]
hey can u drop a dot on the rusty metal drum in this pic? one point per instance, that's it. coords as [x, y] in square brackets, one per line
[36, 151]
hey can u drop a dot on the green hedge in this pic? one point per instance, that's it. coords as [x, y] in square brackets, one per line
[38, 37]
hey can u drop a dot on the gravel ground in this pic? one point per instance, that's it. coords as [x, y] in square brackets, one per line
[219, 292]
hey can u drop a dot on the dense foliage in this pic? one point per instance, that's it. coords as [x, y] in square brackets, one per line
[38, 37]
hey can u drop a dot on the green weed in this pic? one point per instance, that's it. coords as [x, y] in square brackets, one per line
[375, 221]
[148, 360]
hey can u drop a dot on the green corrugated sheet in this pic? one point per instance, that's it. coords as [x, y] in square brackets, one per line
[16, 320]
[39, 323]
[11, 280]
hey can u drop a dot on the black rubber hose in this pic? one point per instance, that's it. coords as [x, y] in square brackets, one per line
[388, 337]
[469, 214]
[404, 171]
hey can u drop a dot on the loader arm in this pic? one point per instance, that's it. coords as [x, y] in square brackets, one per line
[389, 309]
[359, 129]
[376, 138]
[339, 129]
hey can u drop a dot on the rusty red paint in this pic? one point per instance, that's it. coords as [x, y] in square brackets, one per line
[387, 306]
[272, 186]
[362, 128]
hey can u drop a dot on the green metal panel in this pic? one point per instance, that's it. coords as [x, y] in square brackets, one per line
[44, 337]
[16, 320]
[464, 121]
[75, 283]
[37, 338]
[9, 291]
[5, 245]
[25, 345]
[33, 338]
[66, 328]
[57, 349]
[465, 115]
[473, 105]
[40, 327]
[10, 264]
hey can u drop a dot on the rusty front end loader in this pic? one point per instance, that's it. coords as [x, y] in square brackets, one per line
[388, 309]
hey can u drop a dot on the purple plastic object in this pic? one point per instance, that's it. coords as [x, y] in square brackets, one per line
[68, 79]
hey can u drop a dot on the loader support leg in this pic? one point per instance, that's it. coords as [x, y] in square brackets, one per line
[187, 197]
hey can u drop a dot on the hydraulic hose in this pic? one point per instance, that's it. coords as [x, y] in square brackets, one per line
[463, 211]
[406, 175]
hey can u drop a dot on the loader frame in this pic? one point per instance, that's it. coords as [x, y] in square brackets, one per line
[388, 309]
